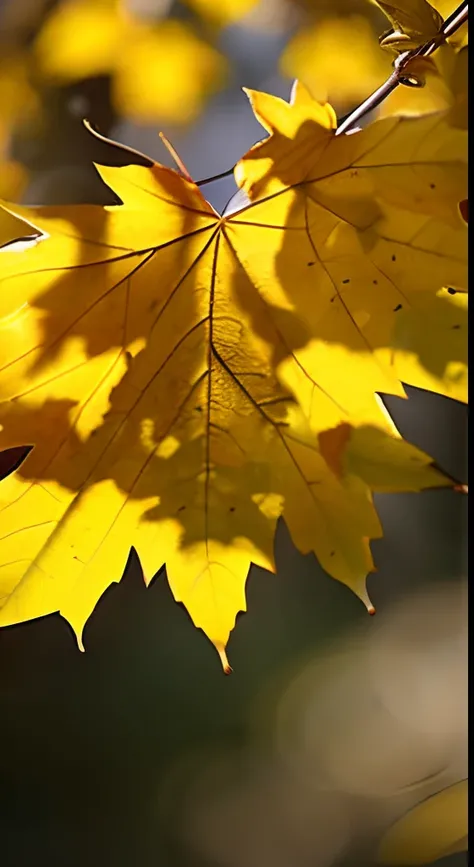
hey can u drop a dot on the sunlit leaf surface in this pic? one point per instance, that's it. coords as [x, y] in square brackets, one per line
[186, 379]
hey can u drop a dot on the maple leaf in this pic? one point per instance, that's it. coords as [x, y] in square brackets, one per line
[186, 379]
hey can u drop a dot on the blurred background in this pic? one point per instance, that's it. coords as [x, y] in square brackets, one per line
[334, 726]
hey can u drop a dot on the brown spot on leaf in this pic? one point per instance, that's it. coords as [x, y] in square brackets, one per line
[332, 445]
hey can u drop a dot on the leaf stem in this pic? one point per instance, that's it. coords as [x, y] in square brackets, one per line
[215, 177]
[400, 75]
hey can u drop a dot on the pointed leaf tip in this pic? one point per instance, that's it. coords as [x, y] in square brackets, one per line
[79, 638]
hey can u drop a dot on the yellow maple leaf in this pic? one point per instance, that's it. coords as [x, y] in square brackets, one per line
[160, 70]
[185, 379]
[18, 100]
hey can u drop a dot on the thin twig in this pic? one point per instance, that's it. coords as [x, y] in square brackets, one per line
[215, 177]
[400, 75]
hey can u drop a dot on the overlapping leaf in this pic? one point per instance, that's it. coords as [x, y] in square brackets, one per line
[186, 379]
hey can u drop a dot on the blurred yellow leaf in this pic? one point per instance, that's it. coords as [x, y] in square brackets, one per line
[337, 59]
[433, 829]
[160, 70]
[167, 72]
[444, 7]
[18, 100]
[80, 38]
[457, 76]
[222, 12]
